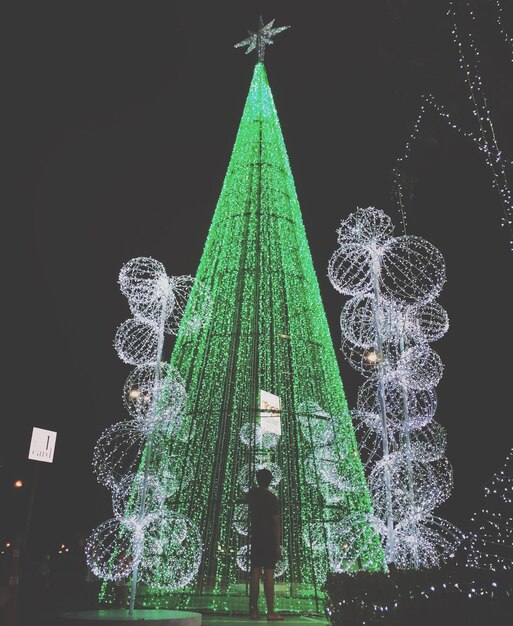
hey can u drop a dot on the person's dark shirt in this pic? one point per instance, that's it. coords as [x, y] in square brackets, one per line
[263, 504]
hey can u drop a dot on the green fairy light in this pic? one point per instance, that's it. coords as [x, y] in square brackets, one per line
[267, 331]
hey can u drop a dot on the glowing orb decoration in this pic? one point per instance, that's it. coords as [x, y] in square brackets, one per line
[386, 329]
[428, 541]
[415, 485]
[248, 473]
[357, 321]
[412, 270]
[136, 342]
[429, 443]
[409, 408]
[420, 367]
[252, 436]
[113, 550]
[349, 269]
[172, 552]
[142, 391]
[431, 320]
[175, 474]
[317, 427]
[316, 424]
[349, 543]
[244, 561]
[196, 318]
[370, 226]
[118, 453]
[405, 407]
[138, 500]
[323, 467]
[241, 519]
[145, 284]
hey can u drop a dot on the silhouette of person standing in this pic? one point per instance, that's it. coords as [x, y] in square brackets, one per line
[265, 534]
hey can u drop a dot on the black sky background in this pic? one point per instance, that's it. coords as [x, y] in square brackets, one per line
[121, 120]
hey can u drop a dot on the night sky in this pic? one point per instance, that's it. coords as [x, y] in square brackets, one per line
[122, 116]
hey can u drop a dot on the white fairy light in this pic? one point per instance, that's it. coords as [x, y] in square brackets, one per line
[421, 405]
[241, 519]
[489, 544]
[431, 321]
[505, 35]
[367, 227]
[485, 136]
[386, 328]
[349, 269]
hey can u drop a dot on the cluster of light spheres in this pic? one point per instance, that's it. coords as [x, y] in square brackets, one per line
[387, 326]
[145, 539]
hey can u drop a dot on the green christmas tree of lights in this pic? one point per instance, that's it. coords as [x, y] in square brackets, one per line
[268, 331]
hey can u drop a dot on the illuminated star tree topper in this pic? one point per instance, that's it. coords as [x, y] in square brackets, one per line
[261, 38]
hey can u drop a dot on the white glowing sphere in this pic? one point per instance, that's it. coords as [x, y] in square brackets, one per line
[349, 269]
[420, 367]
[145, 284]
[431, 320]
[424, 542]
[351, 543]
[130, 494]
[118, 452]
[368, 226]
[414, 485]
[323, 467]
[428, 443]
[113, 550]
[412, 270]
[252, 436]
[172, 552]
[357, 321]
[404, 407]
[136, 342]
[241, 518]
[156, 401]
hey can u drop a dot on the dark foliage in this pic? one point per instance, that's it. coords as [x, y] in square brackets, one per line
[450, 596]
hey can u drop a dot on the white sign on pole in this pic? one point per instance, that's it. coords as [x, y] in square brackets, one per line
[42, 445]
[270, 405]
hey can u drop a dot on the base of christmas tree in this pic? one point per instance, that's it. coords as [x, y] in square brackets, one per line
[119, 617]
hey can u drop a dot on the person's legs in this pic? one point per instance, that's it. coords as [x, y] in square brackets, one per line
[269, 589]
[254, 585]
[269, 595]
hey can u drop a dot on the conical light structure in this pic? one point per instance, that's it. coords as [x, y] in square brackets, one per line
[268, 331]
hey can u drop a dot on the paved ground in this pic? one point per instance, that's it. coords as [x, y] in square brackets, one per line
[291, 620]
